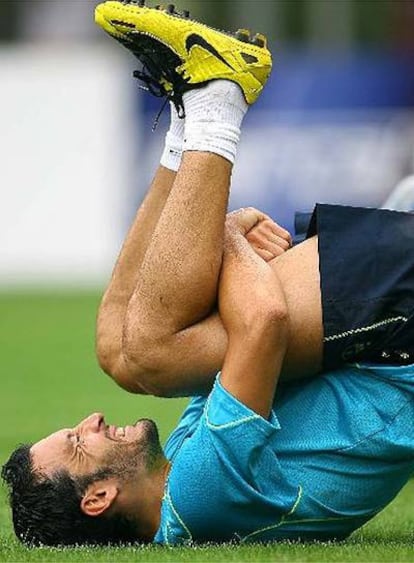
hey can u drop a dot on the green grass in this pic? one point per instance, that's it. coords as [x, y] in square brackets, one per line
[50, 379]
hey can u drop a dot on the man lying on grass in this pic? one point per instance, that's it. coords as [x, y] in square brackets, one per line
[194, 292]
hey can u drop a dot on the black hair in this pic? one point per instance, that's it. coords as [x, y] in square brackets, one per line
[46, 509]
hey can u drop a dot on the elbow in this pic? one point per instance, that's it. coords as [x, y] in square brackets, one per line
[267, 322]
[268, 314]
[275, 317]
[276, 324]
[277, 313]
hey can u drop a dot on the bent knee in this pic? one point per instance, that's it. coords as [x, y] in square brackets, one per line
[127, 354]
[143, 359]
[105, 356]
[145, 364]
[130, 376]
[113, 362]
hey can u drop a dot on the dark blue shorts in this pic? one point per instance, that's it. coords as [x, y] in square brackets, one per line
[367, 284]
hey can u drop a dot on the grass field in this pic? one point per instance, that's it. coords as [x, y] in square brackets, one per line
[49, 378]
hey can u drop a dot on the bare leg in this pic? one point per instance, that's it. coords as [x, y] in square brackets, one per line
[156, 332]
[112, 311]
[178, 281]
[183, 359]
[170, 342]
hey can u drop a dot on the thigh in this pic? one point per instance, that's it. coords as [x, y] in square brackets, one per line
[298, 271]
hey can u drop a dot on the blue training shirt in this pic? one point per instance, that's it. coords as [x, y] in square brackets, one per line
[334, 452]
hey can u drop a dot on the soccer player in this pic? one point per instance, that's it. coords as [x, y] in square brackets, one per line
[315, 459]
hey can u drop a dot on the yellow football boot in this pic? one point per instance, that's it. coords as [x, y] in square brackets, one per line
[179, 54]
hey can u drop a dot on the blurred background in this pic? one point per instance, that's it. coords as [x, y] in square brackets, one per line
[335, 124]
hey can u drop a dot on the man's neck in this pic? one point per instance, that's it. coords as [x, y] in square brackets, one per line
[143, 502]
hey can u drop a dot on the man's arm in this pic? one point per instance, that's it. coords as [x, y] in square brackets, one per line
[254, 313]
[266, 237]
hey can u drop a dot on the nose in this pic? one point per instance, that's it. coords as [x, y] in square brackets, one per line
[92, 423]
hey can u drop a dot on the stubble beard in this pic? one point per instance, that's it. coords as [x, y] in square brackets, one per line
[125, 461]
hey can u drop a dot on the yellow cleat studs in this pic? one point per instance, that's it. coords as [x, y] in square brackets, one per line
[259, 40]
[243, 35]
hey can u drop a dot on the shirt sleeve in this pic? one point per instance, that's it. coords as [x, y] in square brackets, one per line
[227, 419]
[224, 409]
[226, 480]
[186, 426]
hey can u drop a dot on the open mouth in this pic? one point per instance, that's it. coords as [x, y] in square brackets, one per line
[116, 431]
[119, 432]
[128, 432]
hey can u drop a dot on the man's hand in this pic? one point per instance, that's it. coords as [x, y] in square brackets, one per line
[267, 238]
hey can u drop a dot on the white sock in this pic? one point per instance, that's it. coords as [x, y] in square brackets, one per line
[171, 157]
[214, 115]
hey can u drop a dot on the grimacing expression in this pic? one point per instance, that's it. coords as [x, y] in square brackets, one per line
[93, 446]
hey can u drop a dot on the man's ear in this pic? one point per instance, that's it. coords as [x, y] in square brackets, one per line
[98, 497]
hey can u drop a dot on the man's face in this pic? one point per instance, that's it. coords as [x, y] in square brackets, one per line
[94, 446]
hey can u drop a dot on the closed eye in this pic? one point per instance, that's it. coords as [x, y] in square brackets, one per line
[73, 438]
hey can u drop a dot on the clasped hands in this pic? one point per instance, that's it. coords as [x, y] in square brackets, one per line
[265, 236]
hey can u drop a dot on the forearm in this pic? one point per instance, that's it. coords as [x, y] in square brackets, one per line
[254, 359]
[255, 315]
